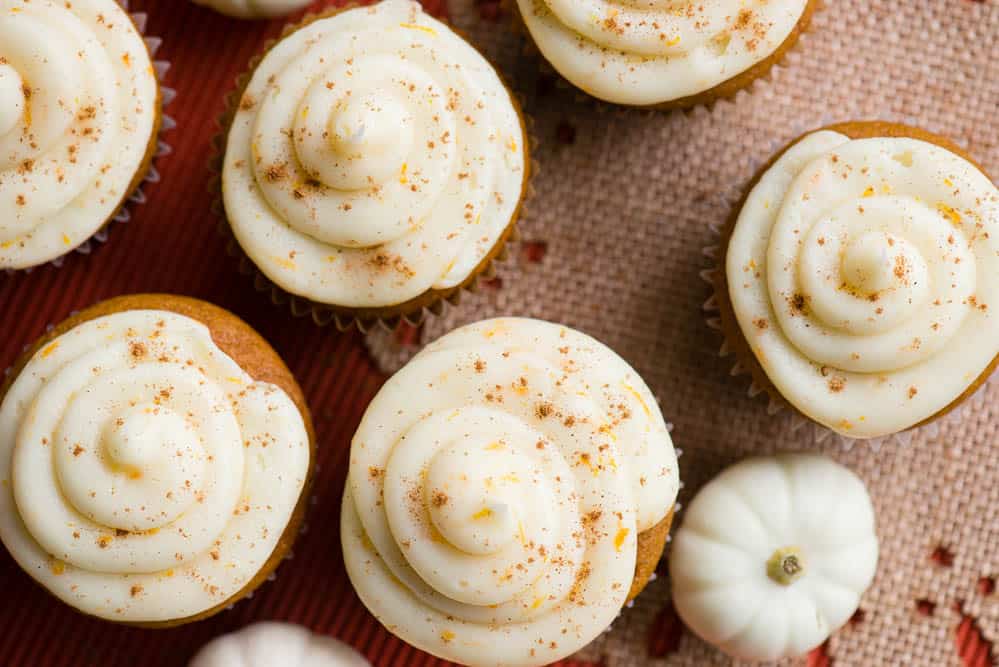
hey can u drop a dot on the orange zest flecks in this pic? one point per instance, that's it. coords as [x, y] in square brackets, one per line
[483, 513]
[639, 398]
[949, 213]
[49, 349]
[284, 262]
[423, 28]
[622, 535]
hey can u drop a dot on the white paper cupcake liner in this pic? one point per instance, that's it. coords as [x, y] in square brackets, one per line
[137, 197]
[809, 431]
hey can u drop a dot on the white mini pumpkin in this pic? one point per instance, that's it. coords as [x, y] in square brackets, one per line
[269, 644]
[773, 555]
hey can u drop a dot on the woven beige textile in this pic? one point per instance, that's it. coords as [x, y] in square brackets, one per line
[613, 244]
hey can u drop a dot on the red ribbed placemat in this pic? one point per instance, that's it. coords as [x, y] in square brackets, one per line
[171, 245]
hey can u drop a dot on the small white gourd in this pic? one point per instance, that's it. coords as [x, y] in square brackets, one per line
[773, 555]
[268, 644]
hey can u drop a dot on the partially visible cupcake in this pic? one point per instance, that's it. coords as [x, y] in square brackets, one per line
[154, 458]
[375, 164]
[510, 489]
[664, 55]
[79, 117]
[254, 9]
[861, 278]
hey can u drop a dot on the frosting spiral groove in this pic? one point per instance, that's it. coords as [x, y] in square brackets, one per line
[646, 52]
[254, 9]
[497, 486]
[146, 476]
[78, 109]
[864, 274]
[374, 156]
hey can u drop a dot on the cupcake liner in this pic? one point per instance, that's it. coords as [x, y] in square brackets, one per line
[707, 99]
[719, 316]
[152, 175]
[433, 302]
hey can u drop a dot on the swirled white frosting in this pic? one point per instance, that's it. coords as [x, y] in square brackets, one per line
[646, 52]
[865, 276]
[145, 476]
[497, 486]
[375, 155]
[78, 104]
[254, 9]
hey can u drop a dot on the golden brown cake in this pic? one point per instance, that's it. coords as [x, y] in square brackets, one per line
[882, 315]
[374, 164]
[140, 442]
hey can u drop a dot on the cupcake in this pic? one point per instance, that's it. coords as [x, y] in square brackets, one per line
[254, 9]
[861, 278]
[79, 117]
[665, 55]
[510, 489]
[374, 164]
[154, 456]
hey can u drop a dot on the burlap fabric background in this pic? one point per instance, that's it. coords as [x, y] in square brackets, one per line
[613, 244]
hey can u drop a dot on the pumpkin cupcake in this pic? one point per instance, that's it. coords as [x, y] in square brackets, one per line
[79, 118]
[663, 55]
[510, 489]
[374, 165]
[154, 459]
[861, 278]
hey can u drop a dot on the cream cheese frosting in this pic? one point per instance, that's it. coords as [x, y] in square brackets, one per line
[374, 155]
[865, 276]
[145, 476]
[78, 108]
[254, 9]
[647, 52]
[497, 486]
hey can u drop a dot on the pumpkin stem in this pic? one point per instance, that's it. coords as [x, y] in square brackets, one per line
[786, 566]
